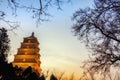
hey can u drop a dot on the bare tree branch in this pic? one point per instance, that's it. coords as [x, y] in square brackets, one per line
[39, 12]
[99, 28]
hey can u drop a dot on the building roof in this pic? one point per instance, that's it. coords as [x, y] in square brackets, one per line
[32, 38]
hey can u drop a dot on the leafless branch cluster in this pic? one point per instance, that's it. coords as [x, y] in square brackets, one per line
[9, 23]
[89, 75]
[38, 8]
[99, 28]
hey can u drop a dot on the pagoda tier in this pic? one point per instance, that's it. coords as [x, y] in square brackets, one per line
[28, 54]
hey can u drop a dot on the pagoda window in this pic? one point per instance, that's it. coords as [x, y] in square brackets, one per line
[24, 60]
[29, 41]
[25, 52]
[27, 46]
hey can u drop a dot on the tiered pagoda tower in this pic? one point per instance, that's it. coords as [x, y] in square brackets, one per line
[28, 54]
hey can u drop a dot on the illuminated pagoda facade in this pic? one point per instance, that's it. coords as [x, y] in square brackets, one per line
[28, 54]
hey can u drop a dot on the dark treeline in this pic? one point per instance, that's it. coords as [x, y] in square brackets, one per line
[8, 72]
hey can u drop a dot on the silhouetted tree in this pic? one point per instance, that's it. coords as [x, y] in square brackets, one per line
[18, 71]
[53, 77]
[33, 76]
[99, 28]
[4, 44]
[5, 68]
[27, 72]
[42, 77]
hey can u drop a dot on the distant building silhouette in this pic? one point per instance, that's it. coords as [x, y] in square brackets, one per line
[28, 54]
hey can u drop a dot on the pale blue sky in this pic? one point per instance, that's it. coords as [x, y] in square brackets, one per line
[60, 49]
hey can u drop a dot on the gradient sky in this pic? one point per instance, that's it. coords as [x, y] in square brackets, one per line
[60, 49]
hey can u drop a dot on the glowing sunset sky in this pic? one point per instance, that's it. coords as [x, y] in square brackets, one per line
[60, 49]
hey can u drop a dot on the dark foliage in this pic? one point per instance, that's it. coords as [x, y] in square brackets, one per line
[99, 28]
[42, 77]
[8, 72]
[53, 77]
[27, 72]
[4, 44]
[33, 76]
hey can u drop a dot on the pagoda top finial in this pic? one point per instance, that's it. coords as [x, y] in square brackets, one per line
[32, 34]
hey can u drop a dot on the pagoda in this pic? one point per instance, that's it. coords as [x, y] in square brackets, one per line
[28, 54]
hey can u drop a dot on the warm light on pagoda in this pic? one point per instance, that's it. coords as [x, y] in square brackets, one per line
[28, 54]
[23, 60]
[27, 46]
[28, 41]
